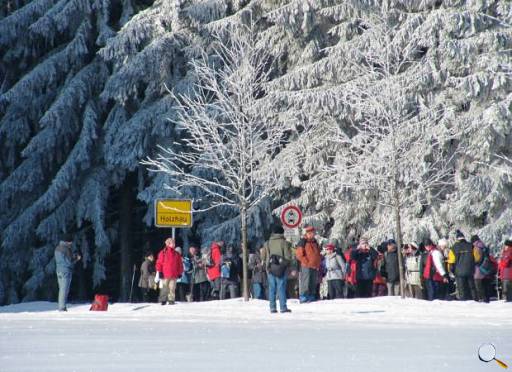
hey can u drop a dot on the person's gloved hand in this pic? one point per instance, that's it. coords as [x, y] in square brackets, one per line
[157, 277]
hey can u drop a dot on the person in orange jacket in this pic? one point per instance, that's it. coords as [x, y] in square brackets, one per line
[308, 254]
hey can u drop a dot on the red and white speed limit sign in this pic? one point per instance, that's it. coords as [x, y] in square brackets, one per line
[291, 216]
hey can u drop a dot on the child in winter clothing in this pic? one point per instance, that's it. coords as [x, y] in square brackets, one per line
[336, 271]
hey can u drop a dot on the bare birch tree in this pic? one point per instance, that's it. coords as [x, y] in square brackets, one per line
[228, 144]
[395, 147]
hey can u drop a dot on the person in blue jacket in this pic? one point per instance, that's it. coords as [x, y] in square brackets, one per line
[65, 260]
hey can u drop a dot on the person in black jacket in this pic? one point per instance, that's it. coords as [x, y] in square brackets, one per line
[365, 257]
[392, 269]
[461, 262]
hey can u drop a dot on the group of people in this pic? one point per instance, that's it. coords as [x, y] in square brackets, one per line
[310, 271]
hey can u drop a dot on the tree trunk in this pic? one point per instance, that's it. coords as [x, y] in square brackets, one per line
[245, 282]
[398, 227]
[125, 209]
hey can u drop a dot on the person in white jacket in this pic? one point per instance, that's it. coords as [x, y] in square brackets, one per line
[336, 272]
[412, 273]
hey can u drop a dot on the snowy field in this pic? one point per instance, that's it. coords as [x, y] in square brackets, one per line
[380, 334]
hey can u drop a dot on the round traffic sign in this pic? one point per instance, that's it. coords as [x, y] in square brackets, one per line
[291, 216]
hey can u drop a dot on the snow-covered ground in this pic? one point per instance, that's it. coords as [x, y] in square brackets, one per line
[379, 334]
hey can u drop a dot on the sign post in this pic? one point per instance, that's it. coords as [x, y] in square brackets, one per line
[291, 218]
[173, 213]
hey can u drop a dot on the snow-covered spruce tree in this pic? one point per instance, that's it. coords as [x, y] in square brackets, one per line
[457, 41]
[379, 153]
[50, 118]
[228, 146]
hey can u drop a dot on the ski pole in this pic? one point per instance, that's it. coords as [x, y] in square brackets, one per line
[133, 279]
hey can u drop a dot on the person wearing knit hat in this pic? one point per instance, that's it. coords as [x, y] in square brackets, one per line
[336, 271]
[462, 259]
[505, 270]
[308, 254]
[365, 258]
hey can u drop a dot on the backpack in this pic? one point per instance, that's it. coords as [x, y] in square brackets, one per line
[225, 269]
[100, 303]
[208, 259]
[277, 265]
[488, 265]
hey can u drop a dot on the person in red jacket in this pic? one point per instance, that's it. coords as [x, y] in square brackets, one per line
[213, 270]
[351, 279]
[169, 267]
[505, 270]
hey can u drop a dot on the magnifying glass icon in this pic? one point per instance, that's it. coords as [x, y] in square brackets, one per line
[487, 353]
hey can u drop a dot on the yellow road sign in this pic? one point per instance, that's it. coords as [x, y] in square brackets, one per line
[173, 213]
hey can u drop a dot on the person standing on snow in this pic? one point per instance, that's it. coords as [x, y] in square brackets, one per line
[200, 284]
[308, 254]
[64, 262]
[147, 276]
[366, 257]
[183, 282]
[505, 270]
[276, 256]
[336, 270]
[391, 267]
[259, 275]
[230, 268]
[213, 268]
[461, 262]
[169, 267]
[412, 271]
[434, 272]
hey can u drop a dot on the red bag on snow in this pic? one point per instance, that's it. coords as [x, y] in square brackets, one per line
[100, 303]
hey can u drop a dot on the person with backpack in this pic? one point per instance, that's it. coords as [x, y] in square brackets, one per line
[505, 270]
[391, 267]
[169, 267]
[461, 262]
[213, 261]
[276, 256]
[412, 271]
[230, 268]
[483, 268]
[65, 261]
[308, 255]
[147, 276]
[200, 284]
[336, 268]
[259, 275]
[366, 258]
[434, 272]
